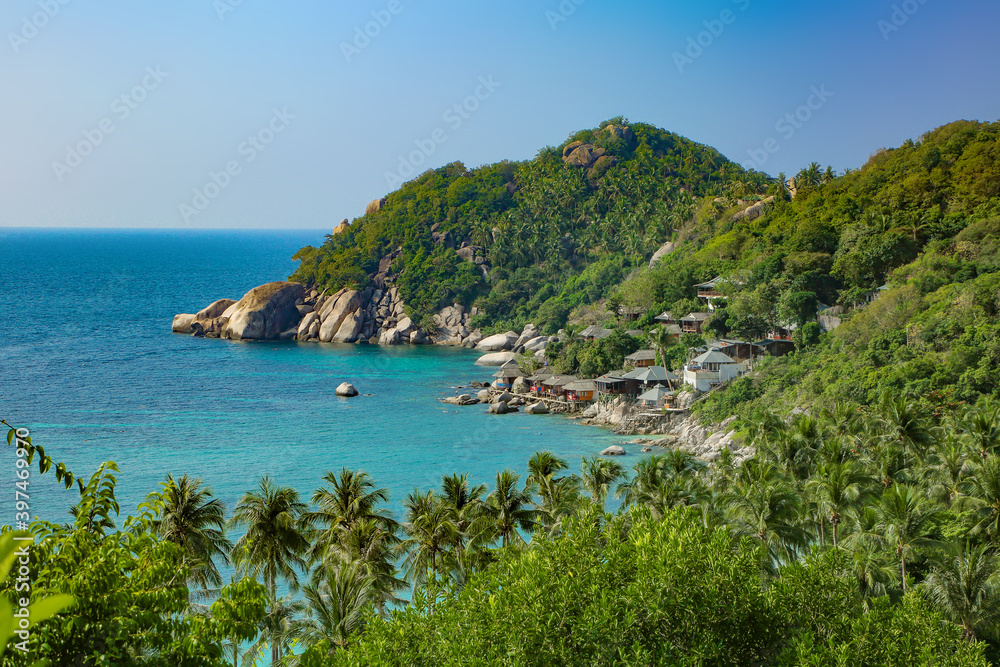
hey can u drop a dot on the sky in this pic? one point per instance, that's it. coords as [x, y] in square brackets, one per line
[260, 114]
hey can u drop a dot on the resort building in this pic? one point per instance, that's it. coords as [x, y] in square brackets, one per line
[555, 386]
[641, 359]
[657, 397]
[610, 384]
[595, 333]
[710, 291]
[507, 374]
[535, 381]
[693, 323]
[776, 347]
[711, 369]
[580, 391]
[640, 379]
[666, 317]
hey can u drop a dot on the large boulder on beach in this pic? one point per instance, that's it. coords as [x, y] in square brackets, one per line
[499, 408]
[495, 359]
[346, 389]
[497, 342]
[264, 312]
[614, 450]
[537, 409]
[520, 386]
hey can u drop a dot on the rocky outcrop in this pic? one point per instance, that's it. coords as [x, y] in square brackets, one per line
[264, 312]
[464, 399]
[614, 450]
[537, 409]
[663, 251]
[342, 227]
[495, 359]
[376, 206]
[755, 211]
[691, 436]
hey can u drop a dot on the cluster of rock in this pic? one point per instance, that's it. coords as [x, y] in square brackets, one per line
[287, 311]
[753, 211]
[500, 403]
[595, 159]
[689, 435]
[504, 347]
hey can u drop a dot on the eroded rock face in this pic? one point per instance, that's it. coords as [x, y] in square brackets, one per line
[264, 312]
[213, 310]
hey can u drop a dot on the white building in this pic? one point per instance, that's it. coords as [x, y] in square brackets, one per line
[711, 369]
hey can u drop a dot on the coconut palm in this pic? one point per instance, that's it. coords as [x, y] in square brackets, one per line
[762, 504]
[836, 487]
[465, 502]
[192, 518]
[375, 551]
[279, 631]
[542, 470]
[508, 509]
[984, 496]
[346, 499]
[872, 569]
[905, 521]
[274, 543]
[336, 606]
[947, 471]
[662, 340]
[964, 583]
[982, 429]
[598, 476]
[430, 533]
[904, 424]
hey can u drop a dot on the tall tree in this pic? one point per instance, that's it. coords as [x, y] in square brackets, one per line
[509, 508]
[905, 521]
[964, 583]
[599, 474]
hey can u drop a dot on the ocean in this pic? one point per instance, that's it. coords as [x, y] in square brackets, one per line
[89, 365]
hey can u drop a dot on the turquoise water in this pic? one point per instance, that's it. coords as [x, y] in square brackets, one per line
[89, 365]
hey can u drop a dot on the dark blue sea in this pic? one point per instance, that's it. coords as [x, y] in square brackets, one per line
[88, 363]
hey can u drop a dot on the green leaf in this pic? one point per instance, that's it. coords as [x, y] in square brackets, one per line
[49, 607]
[10, 436]
[8, 550]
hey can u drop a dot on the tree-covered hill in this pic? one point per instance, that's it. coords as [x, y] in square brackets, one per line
[576, 226]
[554, 232]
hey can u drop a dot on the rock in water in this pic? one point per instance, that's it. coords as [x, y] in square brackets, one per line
[214, 310]
[182, 323]
[484, 396]
[264, 312]
[537, 409]
[499, 408]
[346, 389]
[614, 450]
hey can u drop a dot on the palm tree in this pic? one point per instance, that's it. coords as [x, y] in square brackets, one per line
[542, 469]
[661, 340]
[192, 518]
[905, 522]
[984, 492]
[763, 505]
[351, 497]
[837, 486]
[465, 502]
[871, 568]
[964, 583]
[598, 476]
[279, 630]
[904, 424]
[274, 544]
[430, 532]
[508, 508]
[983, 429]
[336, 607]
[375, 551]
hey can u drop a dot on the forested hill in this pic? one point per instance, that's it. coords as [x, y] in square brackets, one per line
[553, 233]
[576, 226]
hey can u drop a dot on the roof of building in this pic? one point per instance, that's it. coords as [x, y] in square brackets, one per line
[642, 355]
[609, 379]
[714, 357]
[650, 374]
[696, 317]
[635, 332]
[665, 316]
[603, 333]
[510, 372]
[559, 380]
[540, 375]
[654, 394]
[581, 385]
[592, 330]
[711, 283]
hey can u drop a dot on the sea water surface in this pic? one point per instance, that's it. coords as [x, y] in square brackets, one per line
[88, 363]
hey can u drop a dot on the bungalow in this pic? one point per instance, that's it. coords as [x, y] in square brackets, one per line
[710, 369]
[506, 375]
[630, 313]
[580, 391]
[555, 385]
[655, 398]
[535, 382]
[666, 317]
[738, 349]
[641, 359]
[775, 347]
[595, 333]
[611, 384]
[693, 323]
[710, 291]
[643, 378]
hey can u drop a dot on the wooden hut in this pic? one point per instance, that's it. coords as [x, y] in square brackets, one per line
[580, 391]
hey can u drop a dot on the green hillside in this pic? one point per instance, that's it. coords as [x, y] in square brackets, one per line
[558, 234]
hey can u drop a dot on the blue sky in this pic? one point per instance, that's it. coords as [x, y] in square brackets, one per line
[229, 113]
